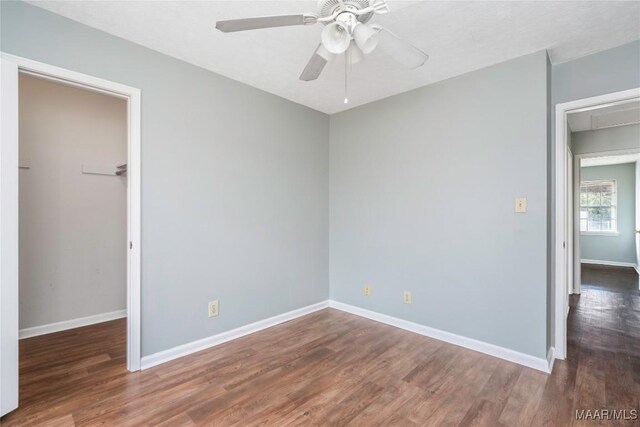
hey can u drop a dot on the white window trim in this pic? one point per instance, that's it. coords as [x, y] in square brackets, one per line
[600, 233]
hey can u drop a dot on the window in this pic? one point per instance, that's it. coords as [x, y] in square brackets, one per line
[598, 204]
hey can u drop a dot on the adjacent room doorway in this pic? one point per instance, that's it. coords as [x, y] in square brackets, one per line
[587, 208]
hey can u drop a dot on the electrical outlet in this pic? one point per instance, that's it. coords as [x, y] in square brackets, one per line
[406, 297]
[367, 290]
[213, 308]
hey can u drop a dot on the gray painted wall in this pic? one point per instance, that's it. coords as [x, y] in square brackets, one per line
[234, 182]
[621, 247]
[610, 139]
[73, 226]
[603, 72]
[422, 199]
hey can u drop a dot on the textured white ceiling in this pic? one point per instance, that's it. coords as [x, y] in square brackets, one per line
[459, 36]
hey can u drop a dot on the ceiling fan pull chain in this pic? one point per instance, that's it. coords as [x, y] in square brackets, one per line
[347, 61]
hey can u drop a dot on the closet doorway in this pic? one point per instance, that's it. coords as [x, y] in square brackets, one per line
[70, 223]
[72, 208]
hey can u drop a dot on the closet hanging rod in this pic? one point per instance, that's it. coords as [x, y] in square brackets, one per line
[122, 169]
[94, 169]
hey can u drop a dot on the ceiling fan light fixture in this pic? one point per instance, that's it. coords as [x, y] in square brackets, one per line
[325, 54]
[355, 54]
[336, 37]
[365, 37]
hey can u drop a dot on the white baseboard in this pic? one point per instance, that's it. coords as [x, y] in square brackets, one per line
[611, 263]
[214, 340]
[71, 324]
[544, 365]
[470, 343]
[551, 358]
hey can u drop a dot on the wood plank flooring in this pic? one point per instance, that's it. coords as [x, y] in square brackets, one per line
[333, 368]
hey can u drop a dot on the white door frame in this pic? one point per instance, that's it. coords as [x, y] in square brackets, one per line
[8, 238]
[570, 220]
[637, 225]
[132, 96]
[560, 220]
[574, 222]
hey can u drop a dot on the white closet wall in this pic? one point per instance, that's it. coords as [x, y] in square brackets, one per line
[72, 224]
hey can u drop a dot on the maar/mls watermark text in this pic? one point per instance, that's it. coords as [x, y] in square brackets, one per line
[607, 414]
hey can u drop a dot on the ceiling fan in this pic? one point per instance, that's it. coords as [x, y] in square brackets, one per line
[345, 32]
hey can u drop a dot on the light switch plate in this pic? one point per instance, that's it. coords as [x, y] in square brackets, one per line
[406, 297]
[521, 205]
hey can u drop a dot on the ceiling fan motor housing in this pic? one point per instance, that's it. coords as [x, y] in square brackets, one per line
[329, 7]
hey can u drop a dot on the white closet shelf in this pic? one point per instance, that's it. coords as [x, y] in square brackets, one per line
[99, 169]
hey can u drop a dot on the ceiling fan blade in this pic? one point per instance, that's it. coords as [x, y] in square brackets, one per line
[258, 22]
[399, 49]
[316, 64]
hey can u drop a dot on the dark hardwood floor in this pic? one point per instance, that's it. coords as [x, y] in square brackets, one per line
[333, 368]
